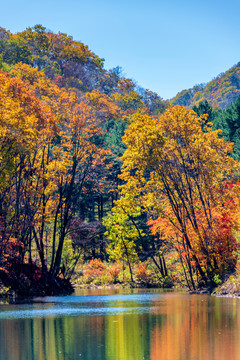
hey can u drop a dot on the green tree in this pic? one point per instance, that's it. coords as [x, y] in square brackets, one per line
[122, 235]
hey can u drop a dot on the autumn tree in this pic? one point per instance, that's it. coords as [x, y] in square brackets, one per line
[25, 123]
[126, 97]
[179, 171]
[48, 156]
[154, 102]
[122, 235]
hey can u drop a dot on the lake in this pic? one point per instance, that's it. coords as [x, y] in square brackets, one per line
[121, 325]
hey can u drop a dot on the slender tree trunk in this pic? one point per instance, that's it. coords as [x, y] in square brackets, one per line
[128, 260]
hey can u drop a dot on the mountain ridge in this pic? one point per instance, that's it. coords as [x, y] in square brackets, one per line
[219, 92]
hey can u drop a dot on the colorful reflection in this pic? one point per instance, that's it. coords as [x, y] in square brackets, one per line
[149, 326]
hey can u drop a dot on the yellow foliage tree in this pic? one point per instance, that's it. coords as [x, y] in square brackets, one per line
[179, 169]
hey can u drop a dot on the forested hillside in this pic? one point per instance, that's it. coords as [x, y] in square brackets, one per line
[72, 65]
[220, 92]
[97, 171]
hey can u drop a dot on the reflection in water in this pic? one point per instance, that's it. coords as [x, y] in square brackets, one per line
[149, 326]
[196, 328]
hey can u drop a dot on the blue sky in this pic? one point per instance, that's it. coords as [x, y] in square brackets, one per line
[166, 46]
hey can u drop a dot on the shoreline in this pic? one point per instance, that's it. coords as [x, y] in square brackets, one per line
[230, 288]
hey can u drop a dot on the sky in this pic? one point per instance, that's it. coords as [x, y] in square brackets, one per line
[165, 46]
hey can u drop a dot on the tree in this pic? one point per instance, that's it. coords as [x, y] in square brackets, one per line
[204, 108]
[178, 169]
[48, 156]
[16, 51]
[25, 125]
[228, 121]
[154, 102]
[126, 97]
[121, 232]
[103, 106]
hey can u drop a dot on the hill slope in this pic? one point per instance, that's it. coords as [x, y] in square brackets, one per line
[220, 92]
[71, 65]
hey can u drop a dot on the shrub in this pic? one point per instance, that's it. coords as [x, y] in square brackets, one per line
[94, 271]
[141, 273]
[114, 271]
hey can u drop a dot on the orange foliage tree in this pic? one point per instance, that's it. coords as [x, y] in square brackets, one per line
[178, 172]
[48, 154]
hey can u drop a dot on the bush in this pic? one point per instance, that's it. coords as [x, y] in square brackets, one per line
[141, 273]
[114, 272]
[94, 271]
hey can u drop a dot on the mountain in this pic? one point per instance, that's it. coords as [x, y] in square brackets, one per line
[71, 65]
[220, 92]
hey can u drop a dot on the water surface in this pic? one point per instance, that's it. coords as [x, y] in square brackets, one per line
[121, 325]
